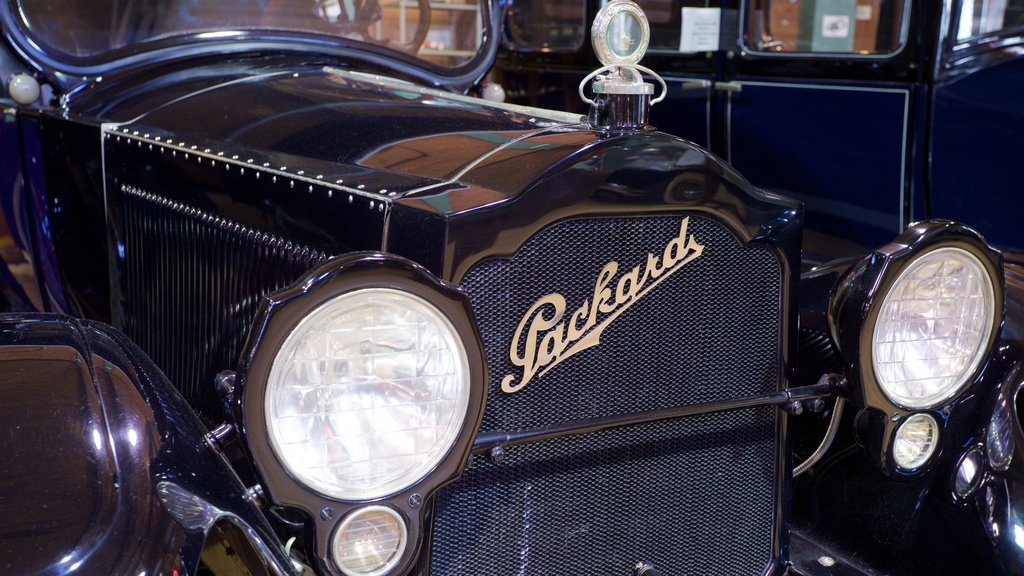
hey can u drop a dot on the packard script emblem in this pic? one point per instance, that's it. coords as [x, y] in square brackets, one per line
[544, 339]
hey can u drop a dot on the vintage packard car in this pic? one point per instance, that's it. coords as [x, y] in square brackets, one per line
[282, 298]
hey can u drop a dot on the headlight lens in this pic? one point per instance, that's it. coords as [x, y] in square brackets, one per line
[369, 542]
[932, 328]
[915, 441]
[367, 394]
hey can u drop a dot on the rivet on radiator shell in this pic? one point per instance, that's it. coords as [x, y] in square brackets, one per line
[415, 500]
[496, 455]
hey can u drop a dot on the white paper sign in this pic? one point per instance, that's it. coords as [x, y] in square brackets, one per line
[700, 29]
[835, 26]
[864, 12]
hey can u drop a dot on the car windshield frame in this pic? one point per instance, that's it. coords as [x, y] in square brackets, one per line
[66, 66]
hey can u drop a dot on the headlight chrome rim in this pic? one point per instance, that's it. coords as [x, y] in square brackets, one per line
[990, 315]
[278, 315]
[396, 554]
[442, 445]
[920, 460]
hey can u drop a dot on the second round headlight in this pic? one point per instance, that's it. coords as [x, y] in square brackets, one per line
[933, 328]
[367, 394]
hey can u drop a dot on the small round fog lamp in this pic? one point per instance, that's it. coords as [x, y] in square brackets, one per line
[915, 442]
[369, 542]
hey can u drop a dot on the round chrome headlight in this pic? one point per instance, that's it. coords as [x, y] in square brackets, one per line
[367, 394]
[933, 328]
[916, 440]
[369, 542]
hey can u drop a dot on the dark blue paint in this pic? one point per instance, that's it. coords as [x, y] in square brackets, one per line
[684, 112]
[35, 182]
[19, 288]
[918, 204]
[977, 149]
[836, 147]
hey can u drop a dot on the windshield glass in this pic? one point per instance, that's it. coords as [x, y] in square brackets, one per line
[444, 33]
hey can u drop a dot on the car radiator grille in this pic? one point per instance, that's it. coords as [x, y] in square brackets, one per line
[695, 495]
[190, 286]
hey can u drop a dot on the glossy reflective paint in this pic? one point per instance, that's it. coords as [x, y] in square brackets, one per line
[316, 118]
[47, 266]
[20, 287]
[978, 121]
[925, 525]
[839, 148]
[67, 70]
[93, 430]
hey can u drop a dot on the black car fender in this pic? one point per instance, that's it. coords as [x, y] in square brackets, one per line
[105, 468]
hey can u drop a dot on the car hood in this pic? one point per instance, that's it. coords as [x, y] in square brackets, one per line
[334, 124]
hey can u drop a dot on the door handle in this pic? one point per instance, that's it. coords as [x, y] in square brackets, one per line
[731, 87]
[696, 84]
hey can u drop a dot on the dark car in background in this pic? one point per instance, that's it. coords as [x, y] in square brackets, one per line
[873, 113]
[282, 298]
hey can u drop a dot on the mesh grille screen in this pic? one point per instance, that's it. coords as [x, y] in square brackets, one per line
[599, 503]
[191, 285]
[690, 497]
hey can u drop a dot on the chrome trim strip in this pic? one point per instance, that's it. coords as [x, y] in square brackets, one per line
[484, 443]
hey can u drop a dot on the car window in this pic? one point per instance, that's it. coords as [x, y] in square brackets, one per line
[665, 17]
[545, 25]
[843, 27]
[445, 33]
[984, 17]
